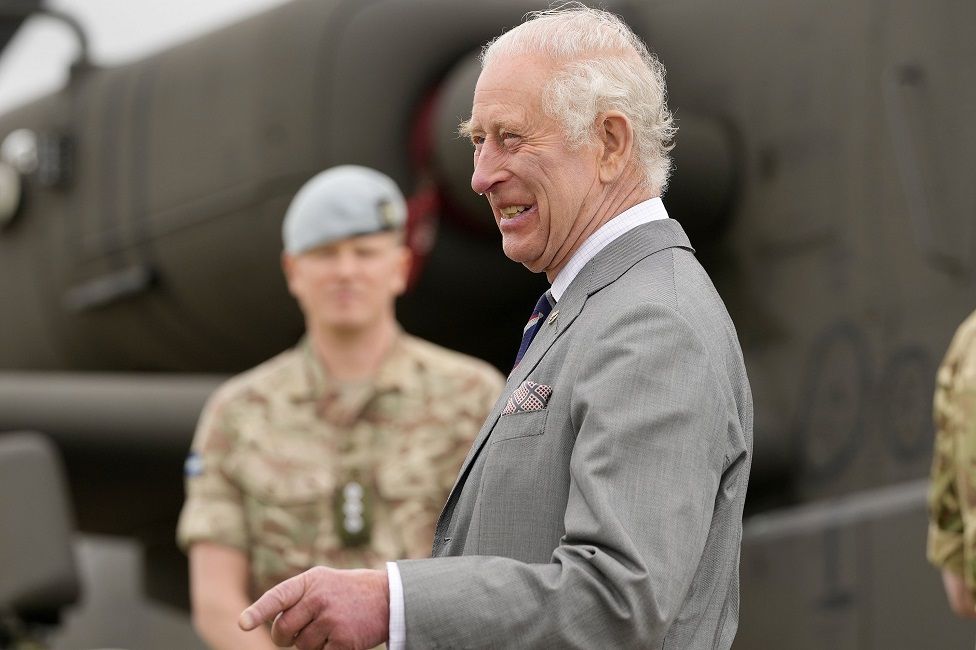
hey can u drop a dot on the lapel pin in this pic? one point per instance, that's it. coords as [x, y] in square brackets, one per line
[553, 316]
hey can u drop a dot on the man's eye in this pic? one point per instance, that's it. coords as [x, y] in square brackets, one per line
[508, 138]
[477, 141]
[322, 254]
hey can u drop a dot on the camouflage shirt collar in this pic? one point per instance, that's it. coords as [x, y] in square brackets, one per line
[394, 373]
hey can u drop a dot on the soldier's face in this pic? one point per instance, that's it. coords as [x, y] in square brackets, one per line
[350, 284]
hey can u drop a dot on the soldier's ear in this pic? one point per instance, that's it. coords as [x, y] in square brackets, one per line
[288, 268]
[404, 263]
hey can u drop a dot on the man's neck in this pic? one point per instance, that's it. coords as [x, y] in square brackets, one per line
[353, 355]
[629, 190]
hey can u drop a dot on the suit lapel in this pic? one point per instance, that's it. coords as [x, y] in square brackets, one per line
[606, 267]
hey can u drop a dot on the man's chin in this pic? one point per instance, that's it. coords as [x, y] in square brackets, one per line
[532, 264]
[518, 254]
[347, 326]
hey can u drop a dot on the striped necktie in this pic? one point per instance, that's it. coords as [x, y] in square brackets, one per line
[542, 309]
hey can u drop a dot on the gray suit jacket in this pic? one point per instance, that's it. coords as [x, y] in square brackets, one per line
[606, 509]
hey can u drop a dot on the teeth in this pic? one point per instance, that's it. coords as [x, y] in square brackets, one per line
[513, 210]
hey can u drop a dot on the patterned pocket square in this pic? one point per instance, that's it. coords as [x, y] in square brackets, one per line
[530, 396]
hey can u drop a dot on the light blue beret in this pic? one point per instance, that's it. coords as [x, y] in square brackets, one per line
[339, 203]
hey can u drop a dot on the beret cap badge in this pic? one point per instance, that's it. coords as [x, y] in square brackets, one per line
[388, 214]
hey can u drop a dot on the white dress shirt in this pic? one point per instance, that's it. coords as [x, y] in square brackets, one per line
[645, 212]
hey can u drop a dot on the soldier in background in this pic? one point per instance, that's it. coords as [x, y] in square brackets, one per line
[952, 495]
[343, 450]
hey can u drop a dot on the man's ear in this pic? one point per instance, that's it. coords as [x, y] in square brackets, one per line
[287, 266]
[403, 268]
[616, 137]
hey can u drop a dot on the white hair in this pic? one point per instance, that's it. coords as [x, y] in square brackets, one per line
[602, 66]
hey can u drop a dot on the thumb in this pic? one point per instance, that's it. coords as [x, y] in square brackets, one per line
[275, 600]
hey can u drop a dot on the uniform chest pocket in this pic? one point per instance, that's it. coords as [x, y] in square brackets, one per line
[287, 508]
[286, 504]
[280, 481]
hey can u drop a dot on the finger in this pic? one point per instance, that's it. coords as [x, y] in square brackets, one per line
[303, 620]
[283, 631]
[275, 600]
[314, 636]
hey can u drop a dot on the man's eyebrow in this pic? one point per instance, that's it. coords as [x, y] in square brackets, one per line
[467, 128]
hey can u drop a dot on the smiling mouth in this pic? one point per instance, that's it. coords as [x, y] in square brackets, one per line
[513, 211]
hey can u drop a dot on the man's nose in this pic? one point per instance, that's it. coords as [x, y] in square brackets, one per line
[487, 169]
[346, 263]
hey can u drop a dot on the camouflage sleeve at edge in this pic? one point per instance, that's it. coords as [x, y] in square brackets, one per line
[952, 491]
[213, 510]
[964, 407]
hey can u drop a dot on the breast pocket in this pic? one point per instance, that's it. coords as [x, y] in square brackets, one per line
[522, 424]
[288, 508]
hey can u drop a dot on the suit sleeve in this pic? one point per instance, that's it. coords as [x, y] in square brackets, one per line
[651, 420]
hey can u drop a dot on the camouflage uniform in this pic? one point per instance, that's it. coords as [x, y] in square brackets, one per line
[278, 446]
[952, 495]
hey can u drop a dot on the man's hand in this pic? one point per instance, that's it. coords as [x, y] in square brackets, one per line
[960, 598]
[325, 608]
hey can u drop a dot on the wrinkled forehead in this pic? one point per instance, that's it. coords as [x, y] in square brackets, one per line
[510, 90]
[493, 116]
[520, 70]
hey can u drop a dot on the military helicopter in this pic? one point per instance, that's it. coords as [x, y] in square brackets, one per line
[819, 173]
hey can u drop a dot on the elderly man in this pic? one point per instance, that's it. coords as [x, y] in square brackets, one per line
[342, 450]
[601, 503]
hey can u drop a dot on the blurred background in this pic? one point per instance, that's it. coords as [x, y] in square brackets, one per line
[148, 151]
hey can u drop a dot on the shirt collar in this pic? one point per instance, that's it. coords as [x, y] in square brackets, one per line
[391, 375]
[644, 212]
